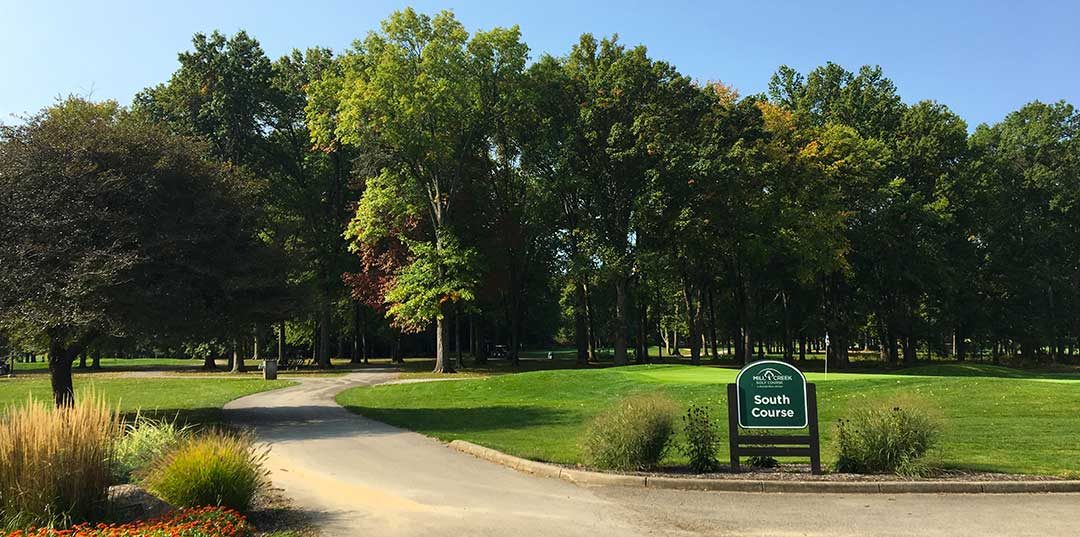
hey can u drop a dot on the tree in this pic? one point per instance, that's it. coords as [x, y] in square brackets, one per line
[406, 94]
[517, 213]
[1025, 182]
[113, 227]
[623, 96]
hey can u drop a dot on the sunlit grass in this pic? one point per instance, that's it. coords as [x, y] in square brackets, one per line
[994, 419]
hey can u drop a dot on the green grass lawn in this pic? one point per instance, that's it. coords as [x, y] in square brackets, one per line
[191, 399]
[993, 418]
[118, 364]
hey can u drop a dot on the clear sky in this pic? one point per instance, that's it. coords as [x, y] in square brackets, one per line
[982, 59]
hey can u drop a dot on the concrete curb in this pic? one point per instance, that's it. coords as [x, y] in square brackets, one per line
[591, 478]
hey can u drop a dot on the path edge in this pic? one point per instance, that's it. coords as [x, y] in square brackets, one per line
[593, 478]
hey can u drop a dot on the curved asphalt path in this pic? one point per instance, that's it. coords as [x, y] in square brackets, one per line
[357, 476]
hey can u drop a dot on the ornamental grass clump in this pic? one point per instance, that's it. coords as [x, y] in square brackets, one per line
[55, 464]
[634, 434]
[217, 468]
[144, 440]
[890, 438]
[702, 440]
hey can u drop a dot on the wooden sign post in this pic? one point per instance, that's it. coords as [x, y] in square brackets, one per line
[773, 395]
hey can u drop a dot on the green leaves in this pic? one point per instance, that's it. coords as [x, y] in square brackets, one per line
[436, 276]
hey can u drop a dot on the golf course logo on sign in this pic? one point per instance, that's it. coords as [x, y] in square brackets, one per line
[771, 395]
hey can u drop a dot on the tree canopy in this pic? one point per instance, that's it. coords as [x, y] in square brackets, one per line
[431, 189]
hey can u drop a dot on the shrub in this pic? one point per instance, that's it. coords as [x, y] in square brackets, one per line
[55, 463]
[144, 440]
[202, 522]
[702, 439]
[216, 468]
[633, 434]
[885, 439]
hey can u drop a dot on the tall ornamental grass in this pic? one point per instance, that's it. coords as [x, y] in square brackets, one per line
[55, 464]
[634, 434]
[144, 440]
[216, 468]
[887, 438]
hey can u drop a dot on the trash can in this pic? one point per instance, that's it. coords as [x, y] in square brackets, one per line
[270, 369]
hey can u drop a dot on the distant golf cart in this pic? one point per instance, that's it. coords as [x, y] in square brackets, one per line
[499, 351]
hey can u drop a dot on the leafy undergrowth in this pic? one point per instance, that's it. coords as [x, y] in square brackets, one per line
[200, 522]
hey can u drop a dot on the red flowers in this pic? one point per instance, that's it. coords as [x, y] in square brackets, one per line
[198, 522]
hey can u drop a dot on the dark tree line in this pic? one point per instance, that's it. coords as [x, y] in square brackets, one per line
[434, 191]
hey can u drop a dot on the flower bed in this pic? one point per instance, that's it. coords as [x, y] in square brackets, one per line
[200, 522]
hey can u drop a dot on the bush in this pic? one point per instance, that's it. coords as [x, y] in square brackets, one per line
[216, 468]
[202, 522]
[144, 440]
[702, 440]
[55, 463]
[885, 439]
[633, 434]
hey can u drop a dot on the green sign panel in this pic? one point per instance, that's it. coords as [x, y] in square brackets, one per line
[771, 395]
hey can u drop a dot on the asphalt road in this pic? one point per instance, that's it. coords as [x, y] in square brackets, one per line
[357, 476]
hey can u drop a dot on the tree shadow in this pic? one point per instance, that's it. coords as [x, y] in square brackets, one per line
[465, 420]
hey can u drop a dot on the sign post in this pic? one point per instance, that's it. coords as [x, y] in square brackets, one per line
[773, 395]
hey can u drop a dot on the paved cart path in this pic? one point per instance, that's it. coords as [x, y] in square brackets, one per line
[362, 477]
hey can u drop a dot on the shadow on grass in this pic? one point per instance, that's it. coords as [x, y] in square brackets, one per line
[464, 420]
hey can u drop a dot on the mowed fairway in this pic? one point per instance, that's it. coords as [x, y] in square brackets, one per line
[993, 418]
[190, 399]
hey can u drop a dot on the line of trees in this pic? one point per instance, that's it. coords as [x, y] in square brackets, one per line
[430, 190]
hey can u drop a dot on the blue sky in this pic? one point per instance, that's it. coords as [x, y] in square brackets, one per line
[982, 59]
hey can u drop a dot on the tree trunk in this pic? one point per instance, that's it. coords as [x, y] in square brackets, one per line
[237, 358]
[322, 358]
[472, 336]
[515, 335]
[712, 324]
[802, 348]
[355, 356]
[693, 319]
[620, 321]
[442, 332]
[60, 361]
[395, 351]
[581, 329]
[958, 343]
[82, 360]
[789, 348]
[894, 353]
[457, 335]
[744, 344]
[590, 323]
[281, 342]
[257, 345]
[910, 358]
[643, 333]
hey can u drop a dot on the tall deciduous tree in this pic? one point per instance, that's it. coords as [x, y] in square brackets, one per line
[624, 97]
[408, 94]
